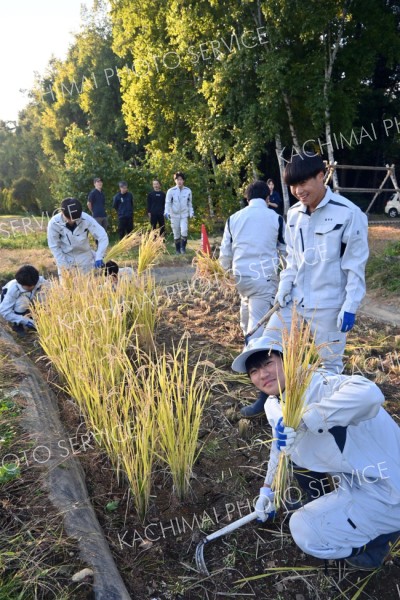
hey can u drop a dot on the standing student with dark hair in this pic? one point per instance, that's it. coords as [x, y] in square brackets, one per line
[179, 208]
[327, 250]
[123, 204]
[97, 203]
[156, 206]
[253, 239]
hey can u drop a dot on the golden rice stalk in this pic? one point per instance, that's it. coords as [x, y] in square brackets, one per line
[152, 245]
[180, 408]
[208, 267]
[300, 361]
[127, 243]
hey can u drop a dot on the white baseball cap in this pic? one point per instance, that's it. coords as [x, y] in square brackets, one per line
[271, 341]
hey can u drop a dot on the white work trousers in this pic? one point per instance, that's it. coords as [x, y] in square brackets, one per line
[83, 261]
[324, 325]
[256, 297]
[351, 516]
[179, 226]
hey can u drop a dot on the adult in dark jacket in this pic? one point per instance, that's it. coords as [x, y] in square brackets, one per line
[155, 206]
[275, 200]
[123, 204]
[97, 203]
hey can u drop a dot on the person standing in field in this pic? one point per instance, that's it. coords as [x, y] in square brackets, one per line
[123, 204]
[97, 203]
[275, 200]
[156, 207]
[179, 208]
[252, 242]
[327, 250]
[345, 434]
[68, 238]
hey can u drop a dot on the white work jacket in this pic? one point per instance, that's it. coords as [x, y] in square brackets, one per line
[327, 251]
[72, 248]
[345, 430]
[251, 241]
[16, 299]
[178, 203]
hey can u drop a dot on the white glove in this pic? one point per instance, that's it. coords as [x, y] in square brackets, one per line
[283, 298]
[265, 507]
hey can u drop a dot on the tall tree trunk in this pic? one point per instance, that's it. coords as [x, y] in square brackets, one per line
[281, 162]
[291, 122]
[331, 54]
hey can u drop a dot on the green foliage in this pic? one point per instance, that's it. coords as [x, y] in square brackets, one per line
[383, 270]
[8, 472]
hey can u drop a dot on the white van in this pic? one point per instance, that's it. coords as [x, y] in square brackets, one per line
[392, 207]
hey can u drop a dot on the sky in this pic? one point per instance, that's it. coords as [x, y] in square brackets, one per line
[31, 32]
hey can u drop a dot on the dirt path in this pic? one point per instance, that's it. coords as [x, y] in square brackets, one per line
[385, 312]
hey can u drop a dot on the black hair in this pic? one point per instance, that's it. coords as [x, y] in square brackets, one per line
[257, 189]
[179, 174]
[256, 360]
[71, 208]
[122, 184]
[303, 166]
[27, 275]
[111, 268]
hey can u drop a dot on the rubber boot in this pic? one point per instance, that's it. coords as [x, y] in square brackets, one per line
[372, 555]
[256, 409]
[183, 245]
[178, 246]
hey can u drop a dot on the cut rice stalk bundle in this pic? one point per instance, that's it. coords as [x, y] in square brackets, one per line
[128, 242]
[301, 360]
[208, 267]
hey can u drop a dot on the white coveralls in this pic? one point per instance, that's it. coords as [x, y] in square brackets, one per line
[72, 248]
[325, 272]
[361, 453]
[16, 300]
[252, 238]
[178, 205]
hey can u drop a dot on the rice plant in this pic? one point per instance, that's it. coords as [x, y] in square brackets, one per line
[207, 266]
[300, 361]
[127, 243]
[183, 395]
[152, 245]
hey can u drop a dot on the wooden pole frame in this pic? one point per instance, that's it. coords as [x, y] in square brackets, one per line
[331, 167]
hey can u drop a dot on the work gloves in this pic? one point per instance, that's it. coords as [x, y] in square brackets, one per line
[284, 436]
[265, 507]
[345, 321]
[29, 324]
[282, 297]
[99, 264]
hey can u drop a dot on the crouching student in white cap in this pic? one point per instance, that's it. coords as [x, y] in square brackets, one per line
[344, 433]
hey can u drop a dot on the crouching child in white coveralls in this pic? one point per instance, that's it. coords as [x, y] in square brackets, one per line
[179, 208]
[17, 296]
[68, 238]
[346, 434]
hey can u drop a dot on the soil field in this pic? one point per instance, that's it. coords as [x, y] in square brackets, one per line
[156, 558]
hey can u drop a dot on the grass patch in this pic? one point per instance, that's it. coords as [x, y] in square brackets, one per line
[383, 270]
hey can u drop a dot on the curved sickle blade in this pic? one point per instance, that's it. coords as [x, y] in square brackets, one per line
[199, 555]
